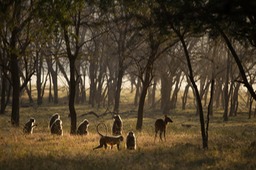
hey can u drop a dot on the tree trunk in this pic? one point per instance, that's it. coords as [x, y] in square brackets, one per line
[198, 99]
[78, 81]
[92, 75]
[234, 103]
[218, 92]
[225, 93]
[210, 108]
[145, 83]
[15, 115]
[175, 91]
[166, 88]
[118, 88]
[238, 62]
[185, 96]
[141, 107]
[137, 92]
[250, 108]
[72, 92]
[15, 79]
[38, 80]
[153, 98]
[54, 78]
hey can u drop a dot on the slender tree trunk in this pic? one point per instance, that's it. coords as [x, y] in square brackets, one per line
[55, 88]
[54, 76]
[118, 88]
[137, 92]
[226, 96]
[15, 79]
[166, 89]
[72, 93]
[145, 84]
[238, 62]
[141, 107]
[185, 96]
[210, 108]
[92, 75]
[250, 108]
[153, 100]
[38, 80]
[175, 91]
[78, 81]
[198, 99]
[50, 97]
[15, 115]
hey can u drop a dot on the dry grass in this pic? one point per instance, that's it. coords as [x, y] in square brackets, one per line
[229, 144]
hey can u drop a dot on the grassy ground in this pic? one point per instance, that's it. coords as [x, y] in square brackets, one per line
[229, 143]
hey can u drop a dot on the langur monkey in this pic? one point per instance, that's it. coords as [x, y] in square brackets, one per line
[29, 126]
[117, 125]
[108, 140]
[131, 141]
[56, 127]
[83, 127]
[53, 118]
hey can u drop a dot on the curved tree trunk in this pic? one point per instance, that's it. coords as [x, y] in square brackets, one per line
[238, 62]
[196, 91]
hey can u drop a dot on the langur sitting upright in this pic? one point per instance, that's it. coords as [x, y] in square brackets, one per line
[29, 126]
[56, 127]
[131, 141]
[83, 127]
[53, 118]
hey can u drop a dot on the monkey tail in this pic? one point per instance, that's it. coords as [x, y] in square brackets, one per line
[105, 128]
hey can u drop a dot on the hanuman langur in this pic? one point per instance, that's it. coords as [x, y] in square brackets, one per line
[131, 141]
[53, 118]
[117, 125]
[109, 140]
[83, 127]
[56, 127]
[29, 126]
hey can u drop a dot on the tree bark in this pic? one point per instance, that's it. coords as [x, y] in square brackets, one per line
[15, 79]
[146, 81]
[15, 115]
[72, 93]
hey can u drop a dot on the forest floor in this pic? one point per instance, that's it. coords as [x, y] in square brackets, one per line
[232, 144]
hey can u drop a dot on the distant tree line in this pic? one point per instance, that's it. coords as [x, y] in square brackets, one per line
[206, 45]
